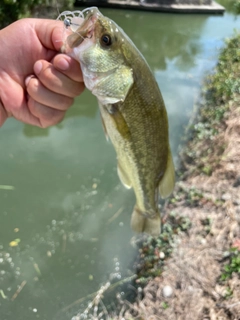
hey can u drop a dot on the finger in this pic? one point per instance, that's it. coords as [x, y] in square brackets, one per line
[46, 116]
[14, 102]
[49, 32]
[68, 66]
[56, 81]
[37, 91]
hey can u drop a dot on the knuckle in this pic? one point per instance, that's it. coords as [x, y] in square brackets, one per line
[31, 104]
[76, 89]
[47, 73]
[79, 89]
[33, 86]
[46, 115]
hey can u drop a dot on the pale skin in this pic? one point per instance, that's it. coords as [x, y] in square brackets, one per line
[37, 83]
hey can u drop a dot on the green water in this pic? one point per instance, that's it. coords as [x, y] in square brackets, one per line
[71, 212]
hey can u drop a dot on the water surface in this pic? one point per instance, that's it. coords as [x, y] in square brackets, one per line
[68, 208]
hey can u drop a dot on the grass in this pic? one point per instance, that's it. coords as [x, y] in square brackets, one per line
[153, 252]
[231, 5]
[225, 82]
[233, 266]
[222, 88]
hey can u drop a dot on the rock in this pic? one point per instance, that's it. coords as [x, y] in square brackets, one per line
[161, 255]
[226, 196]
[237, 182]
[167, 291]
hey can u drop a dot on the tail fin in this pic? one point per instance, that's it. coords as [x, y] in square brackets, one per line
[141, 223]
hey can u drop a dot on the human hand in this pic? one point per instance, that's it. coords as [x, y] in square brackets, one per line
[37, 85]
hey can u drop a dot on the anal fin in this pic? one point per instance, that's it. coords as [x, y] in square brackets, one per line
[104, 128]
[124, 177]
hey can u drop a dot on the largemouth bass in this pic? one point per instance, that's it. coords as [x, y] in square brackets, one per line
[132, 110]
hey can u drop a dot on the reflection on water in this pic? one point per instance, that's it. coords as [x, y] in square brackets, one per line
[68, 209]
[165, 37]
[88, 109]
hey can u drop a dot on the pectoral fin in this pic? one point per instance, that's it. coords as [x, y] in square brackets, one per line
[168, 181]
[114, 87]
[119, 121]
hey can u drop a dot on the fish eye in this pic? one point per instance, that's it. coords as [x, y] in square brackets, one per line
[106, 40]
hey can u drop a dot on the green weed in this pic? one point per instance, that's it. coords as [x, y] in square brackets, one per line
[228, 293]
[165, 305]
[153, 252]
[225, 82]
[233, 266]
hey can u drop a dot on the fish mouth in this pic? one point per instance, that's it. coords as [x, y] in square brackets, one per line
[86, 30]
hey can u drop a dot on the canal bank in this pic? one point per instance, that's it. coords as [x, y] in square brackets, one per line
[171, 6]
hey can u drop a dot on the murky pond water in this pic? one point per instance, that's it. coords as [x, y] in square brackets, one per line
[68, 209]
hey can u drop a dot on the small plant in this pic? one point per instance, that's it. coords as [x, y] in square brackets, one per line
[222, 85]
[192, 196]
[154, 251]
[233, 266]
[237, 6]
[165, 305]
[207, 223]
[232, 5]
[228, 293]
[204, 149]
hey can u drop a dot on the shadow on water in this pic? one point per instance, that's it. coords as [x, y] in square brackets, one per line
[84, 106]
[68, 209]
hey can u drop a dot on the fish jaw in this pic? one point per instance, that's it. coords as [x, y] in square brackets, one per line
[75, 43]
[82, 40]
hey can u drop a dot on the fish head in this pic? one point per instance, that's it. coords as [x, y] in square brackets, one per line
[98, 43]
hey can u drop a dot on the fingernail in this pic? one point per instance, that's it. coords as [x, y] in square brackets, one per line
[62, 64]
[37, 67]
[28, 79]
